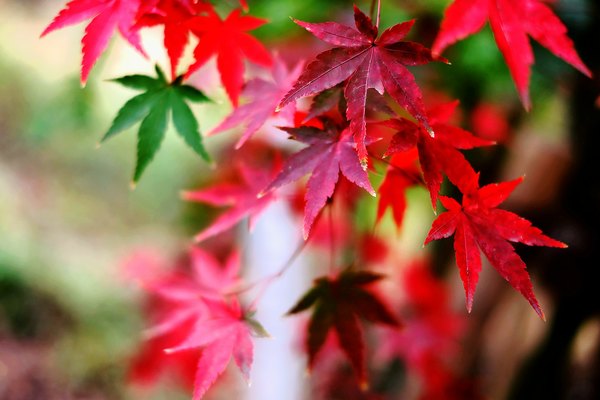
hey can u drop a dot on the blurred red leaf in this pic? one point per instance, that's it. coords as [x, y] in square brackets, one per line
[262, 99]
[241, 196]
[511, 22]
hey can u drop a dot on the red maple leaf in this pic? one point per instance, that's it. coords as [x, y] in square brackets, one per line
[338, 303]
[241, 196]
[329, 153]
[107, 15]
[478, 224]
[437, 153]
[402, 173]
[228, 41]
[175, 15]
[366, 62]
[262, 96]
[511, 22]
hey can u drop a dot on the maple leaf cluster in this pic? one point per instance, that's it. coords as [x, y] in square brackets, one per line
[199, 324]
[364, 112]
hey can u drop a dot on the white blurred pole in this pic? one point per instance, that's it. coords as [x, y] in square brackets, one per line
[279, 369]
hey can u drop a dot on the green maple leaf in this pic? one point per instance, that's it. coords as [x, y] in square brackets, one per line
[152, 108]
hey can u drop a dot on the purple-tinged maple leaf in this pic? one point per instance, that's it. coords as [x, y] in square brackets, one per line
[262, 96]
[366, 62]
[229, 41]
[437, 154]
[339, 303]
[107, 16]
[241, 196]
[511, 22]
[478, 224]
[328, 153]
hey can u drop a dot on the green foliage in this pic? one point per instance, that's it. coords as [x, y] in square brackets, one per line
[152, 108]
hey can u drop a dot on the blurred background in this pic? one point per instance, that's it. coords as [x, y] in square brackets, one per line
[72, 323]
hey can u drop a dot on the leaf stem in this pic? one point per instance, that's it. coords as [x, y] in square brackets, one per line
[372, 9]
[378, 13]
[331, 238]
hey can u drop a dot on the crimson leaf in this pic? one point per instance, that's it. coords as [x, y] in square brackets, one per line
[338, 304]
[437, 153]
[478, 224]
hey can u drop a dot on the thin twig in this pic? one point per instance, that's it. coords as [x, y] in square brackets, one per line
[264, 283]
[372, 9]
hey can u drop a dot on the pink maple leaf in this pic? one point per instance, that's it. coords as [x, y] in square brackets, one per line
[262, 96]
[242, 197]
[188, 293]
[107, 16]
[222, 335]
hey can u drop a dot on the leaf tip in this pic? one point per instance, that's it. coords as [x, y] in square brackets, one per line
[132, 185]
[430, 131]
[469, 303]
[305, 233]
